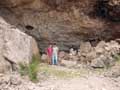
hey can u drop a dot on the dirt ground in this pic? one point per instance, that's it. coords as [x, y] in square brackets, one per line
[91, 81]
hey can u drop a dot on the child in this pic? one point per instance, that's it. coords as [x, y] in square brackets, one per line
[49, 54]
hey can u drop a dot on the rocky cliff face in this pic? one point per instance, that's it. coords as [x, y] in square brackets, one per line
[65, 22]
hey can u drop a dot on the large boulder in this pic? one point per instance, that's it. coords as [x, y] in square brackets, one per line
[35, 49]
[85, 47]
[4, 65]
[15, 46]
[86, 52]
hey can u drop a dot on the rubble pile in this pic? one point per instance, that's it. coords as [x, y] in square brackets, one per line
[101, 56]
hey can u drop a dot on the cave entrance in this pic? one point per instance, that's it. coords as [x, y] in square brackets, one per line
[29, 27]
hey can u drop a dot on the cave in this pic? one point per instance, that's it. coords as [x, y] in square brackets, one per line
[29, 27]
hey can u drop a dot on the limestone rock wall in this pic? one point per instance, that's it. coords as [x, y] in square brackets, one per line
[65, 22]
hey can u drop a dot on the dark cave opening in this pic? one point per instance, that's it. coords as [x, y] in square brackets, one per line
[101, 9]
[106, 11]
[29, 27]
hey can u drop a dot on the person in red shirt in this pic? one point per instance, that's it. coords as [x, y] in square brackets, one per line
[49, 53]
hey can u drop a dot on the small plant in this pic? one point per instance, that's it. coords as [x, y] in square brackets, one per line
[31, 69]
[117, 58]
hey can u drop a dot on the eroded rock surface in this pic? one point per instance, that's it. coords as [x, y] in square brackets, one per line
[66, 22]
[17, 47]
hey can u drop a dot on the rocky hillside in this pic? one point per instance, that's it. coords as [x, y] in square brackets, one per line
[66, 22]
[91, 27]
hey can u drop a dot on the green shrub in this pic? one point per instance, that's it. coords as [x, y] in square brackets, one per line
[31, 69]
[117, 58]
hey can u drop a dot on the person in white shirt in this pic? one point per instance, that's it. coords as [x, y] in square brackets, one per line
[55, 54]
